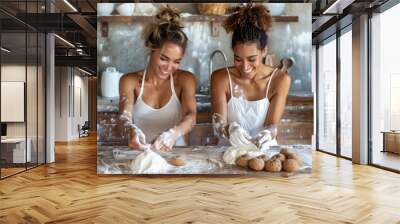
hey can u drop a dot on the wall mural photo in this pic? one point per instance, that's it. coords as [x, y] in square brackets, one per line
[205, 88]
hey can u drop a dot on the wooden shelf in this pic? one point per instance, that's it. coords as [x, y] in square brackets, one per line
[214, 20]
[286, 19]
[193, 18]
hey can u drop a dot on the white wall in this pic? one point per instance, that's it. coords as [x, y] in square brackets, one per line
[61, 104]
[12, 73]
[69, 85]
[81, 94]
[34, 124]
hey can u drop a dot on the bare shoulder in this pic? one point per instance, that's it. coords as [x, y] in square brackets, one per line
[132, 76]
[219, 76]
[131, 79]
[185, 80]
[280, 83]
[282, 79]
[186, 76]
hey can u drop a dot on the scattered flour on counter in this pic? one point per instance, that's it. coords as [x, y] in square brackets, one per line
[149, 162]
[234, 152]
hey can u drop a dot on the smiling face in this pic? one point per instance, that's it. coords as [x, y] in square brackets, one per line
[166, 60]
[248, 58]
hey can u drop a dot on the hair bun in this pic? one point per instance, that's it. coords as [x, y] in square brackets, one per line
[168, 15]
[165, 27]
[256, 15]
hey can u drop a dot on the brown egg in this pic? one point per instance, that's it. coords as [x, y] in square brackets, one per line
[291, 165]
[177, 161]
[273, 165]
[263, 157]
[256, 164]
[242, 160]
[295, 157]
[279, 156]
[286, 151]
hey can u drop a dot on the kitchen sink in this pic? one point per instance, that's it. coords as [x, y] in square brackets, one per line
[203, 103]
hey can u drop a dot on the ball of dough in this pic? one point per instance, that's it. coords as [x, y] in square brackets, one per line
[295, 157]
[291, 165]
[263, 157]
[233, 152]
[149, 162]
[177, 161]
[243, 160]
[279, 156]
[256, 164]
[273, 165]
[286, 151]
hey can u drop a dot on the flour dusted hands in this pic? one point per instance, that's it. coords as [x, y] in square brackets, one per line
[265, 136]
[166, 140]
[220, 126]
[137, 138]
[238, 136]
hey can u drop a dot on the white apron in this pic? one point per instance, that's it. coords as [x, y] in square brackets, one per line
[152, 121]
[248, 114]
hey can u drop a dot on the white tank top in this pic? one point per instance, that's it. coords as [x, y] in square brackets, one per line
[152, 121]
[248, 114]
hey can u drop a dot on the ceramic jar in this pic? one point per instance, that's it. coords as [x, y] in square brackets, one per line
[110, 82]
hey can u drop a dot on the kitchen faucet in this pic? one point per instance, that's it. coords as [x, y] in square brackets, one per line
[210, 62]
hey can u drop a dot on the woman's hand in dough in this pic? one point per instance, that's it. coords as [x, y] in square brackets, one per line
[238, 136]
[137, 138]
[265, 136]
[166, 140]
[262, 138]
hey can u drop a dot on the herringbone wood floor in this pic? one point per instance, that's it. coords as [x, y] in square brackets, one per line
[69, 191]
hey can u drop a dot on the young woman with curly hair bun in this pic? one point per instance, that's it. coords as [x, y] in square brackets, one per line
[249, 98]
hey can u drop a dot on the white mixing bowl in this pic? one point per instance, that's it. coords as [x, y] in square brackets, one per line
[105, 9]
[126, 9]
